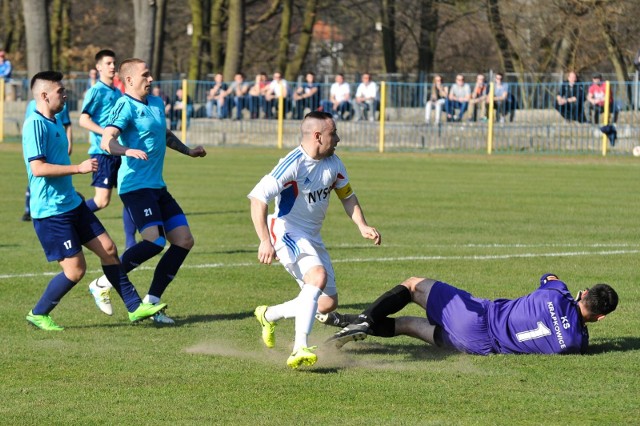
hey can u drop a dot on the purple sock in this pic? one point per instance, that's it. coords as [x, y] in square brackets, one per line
[57, 288]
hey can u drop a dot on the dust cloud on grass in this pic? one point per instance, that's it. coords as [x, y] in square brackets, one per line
[357, 356]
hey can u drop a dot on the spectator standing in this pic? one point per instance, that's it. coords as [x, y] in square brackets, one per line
[366, 99]
[570, 101]
[438, 97]
[306, 96]
[339, 101]
[459, 96]
[479, 98]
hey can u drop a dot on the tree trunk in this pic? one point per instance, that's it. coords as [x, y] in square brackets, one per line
[196, 39]
[615, 54]
[285, 36]
[428, 37]
[235, 39]
[215, 34]
[295, 66]
[158, 39]
[388, 18]
[509, 57]
[55, 33]
[144, 16]
[37, 32]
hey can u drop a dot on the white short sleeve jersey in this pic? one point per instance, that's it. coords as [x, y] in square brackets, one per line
[301, 187]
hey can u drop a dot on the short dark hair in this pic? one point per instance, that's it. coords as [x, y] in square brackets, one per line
[104, 52]
[320, 115]
[601, 299]
[54, 76]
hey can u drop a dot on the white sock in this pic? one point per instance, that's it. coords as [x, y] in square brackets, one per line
[151, 299]
[283, 310]
[305, 315]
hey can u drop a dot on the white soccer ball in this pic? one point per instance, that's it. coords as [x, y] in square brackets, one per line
[636, 151]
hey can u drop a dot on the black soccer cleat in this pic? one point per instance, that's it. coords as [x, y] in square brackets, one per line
[350, 333]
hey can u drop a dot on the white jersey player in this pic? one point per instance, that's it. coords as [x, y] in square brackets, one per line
[301, 185]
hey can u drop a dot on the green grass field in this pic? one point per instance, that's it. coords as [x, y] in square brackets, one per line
[491, 225]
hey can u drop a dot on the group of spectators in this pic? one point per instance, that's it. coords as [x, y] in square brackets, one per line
[459, 97]
[261, 98]
[571, 100]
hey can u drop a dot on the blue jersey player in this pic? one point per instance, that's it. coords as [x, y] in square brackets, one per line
[96, 107]
[547, 321]
[137, 132]
[62, 222]
[63, 117]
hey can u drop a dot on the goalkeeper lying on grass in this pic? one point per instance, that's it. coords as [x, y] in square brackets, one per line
[547, 321]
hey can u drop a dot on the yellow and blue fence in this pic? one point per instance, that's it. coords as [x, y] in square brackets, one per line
[529, 122]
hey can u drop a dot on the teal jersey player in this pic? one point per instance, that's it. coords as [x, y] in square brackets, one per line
[142, 126]
[44, 138]
[62, 116]
[97, 104]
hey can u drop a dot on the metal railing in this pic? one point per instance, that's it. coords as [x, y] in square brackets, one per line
[528, 121]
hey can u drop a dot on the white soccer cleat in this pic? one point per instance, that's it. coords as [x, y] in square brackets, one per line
[100, 289]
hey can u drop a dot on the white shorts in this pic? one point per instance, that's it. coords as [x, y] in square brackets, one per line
[299, 253]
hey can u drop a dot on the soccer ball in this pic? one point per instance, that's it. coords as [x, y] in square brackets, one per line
[636, 151]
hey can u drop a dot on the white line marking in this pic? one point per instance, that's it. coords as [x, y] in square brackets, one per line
[372, 259]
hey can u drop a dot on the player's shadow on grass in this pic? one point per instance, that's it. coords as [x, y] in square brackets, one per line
[620, 344]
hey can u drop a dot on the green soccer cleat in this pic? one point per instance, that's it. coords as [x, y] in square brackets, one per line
[303, 356]
[146, 310]
[268, 328]
[43, 322]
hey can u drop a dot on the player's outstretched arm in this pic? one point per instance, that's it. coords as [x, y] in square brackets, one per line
[41, 168]
[354, 211]
[109, 143]
[174, 143]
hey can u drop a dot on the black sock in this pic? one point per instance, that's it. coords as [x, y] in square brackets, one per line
[167, 269]
[138, 254]
[384, 327]
[389, 303]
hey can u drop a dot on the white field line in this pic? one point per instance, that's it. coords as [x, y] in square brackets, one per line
[373, 259]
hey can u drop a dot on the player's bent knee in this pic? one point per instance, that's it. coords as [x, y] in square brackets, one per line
[327, 304]
[412, 282]
[160, 242]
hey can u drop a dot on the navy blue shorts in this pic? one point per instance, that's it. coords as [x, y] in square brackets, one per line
[63, 235]
[153, 207]
[107, 174]
[463, 319]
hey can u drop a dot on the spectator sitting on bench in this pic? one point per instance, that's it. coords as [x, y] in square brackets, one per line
[366, 99]
[503, 101]
[570, 100]
[479, 99]
[178, 105]
[595, 100]
[339, 101]
[459, 96]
